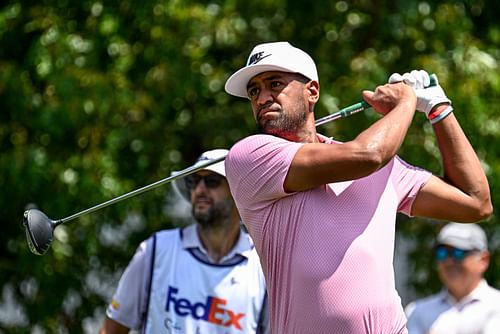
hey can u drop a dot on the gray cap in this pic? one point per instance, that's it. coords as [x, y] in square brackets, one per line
[219, 168]
[466, 236]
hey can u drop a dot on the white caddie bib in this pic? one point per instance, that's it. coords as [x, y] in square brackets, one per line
[190, 296]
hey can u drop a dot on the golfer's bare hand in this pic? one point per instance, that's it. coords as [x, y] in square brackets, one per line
[385, 98]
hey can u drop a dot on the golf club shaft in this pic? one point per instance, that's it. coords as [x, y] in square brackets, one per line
[156, 184]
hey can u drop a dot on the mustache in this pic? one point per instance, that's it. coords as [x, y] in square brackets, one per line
[267, 106]
[203, 197]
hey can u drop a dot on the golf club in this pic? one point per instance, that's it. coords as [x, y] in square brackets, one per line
[40, 228]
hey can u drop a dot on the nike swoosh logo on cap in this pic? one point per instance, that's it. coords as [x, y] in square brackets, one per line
[254, 59]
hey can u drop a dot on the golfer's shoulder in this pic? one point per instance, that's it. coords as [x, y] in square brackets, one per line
[249, 149]
[255, 140]
[255, 144]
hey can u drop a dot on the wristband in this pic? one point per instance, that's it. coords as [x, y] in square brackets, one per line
[436, 117]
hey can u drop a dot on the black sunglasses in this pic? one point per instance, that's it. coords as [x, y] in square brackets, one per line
[211, 180]
[442, 253]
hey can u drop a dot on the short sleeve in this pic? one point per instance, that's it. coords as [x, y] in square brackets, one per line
[129, 303]
[407, 180]
[258, 165]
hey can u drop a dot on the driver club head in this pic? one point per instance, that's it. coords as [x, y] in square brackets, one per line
[39, 230]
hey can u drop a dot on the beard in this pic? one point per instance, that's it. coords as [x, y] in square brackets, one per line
[287, 123]
[216, 214]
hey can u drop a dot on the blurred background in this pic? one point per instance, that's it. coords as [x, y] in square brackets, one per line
[100, 98]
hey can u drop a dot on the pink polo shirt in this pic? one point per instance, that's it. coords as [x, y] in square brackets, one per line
[326, 252]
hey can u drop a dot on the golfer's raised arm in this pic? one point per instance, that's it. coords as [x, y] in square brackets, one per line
[463, 194]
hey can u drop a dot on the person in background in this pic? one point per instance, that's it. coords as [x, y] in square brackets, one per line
[466, 304]
[203, 278]
[322, 214]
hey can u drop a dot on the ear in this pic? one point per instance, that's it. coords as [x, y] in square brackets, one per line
[485, 260]
[312, 88]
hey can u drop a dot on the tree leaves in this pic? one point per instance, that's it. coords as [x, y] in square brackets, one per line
[100, 98]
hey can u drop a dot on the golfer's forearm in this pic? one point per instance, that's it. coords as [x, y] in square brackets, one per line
[397, 102]
[461, 165]
[386, 136]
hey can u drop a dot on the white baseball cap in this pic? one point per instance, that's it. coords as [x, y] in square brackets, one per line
[219, 168]
[466, 236]
[277, 56]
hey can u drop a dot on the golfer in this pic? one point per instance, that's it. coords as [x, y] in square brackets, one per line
[322, 213]
[203, 278]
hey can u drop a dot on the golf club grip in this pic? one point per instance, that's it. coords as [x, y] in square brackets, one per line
[348, 111]
[360, 106]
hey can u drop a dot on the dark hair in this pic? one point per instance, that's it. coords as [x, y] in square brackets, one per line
[302, 78]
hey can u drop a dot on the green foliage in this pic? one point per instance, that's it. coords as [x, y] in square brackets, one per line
[100, 98]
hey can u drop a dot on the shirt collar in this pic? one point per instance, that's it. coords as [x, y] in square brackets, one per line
[324, 139]
[479, 293]
[191, 239]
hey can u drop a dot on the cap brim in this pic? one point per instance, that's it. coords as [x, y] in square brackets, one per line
[456, 242]
[237, 83]
[180, 184]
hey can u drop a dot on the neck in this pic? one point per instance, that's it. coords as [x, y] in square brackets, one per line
[306, 134]
[303, 136]
[219, 240]
[463, 290]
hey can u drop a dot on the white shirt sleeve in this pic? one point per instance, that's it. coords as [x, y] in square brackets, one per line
[492, 325]
[129, 304]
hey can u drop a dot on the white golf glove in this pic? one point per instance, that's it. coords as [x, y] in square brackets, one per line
[427, 96]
